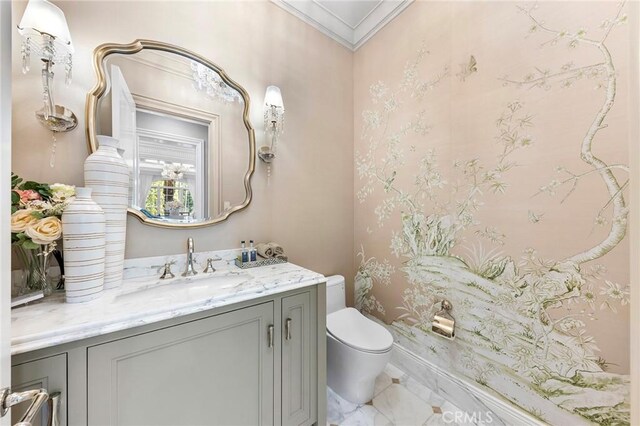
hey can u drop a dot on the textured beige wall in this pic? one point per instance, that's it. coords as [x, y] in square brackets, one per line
[307, 204]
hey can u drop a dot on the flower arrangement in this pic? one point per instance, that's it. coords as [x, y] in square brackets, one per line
[36, 209]
[173, 171]
[174, 205]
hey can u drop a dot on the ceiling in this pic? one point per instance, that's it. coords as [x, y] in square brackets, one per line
[350, 22]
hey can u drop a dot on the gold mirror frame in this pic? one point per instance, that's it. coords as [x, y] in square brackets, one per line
[101, 53]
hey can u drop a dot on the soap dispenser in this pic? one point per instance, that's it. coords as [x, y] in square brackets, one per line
[245, 253]
[253, 253]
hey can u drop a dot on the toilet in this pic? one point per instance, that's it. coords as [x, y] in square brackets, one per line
[357, 348]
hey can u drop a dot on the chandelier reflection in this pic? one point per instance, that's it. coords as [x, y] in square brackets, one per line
[208, 81]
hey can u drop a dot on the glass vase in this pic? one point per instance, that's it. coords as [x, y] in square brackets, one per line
[35, 266]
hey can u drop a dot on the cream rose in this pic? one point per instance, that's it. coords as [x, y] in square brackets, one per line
[45, 231]
[22, 220]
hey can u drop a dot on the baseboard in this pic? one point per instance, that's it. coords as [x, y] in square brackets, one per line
[465, 396]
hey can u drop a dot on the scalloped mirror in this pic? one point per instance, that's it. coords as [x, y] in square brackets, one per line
[184, 131]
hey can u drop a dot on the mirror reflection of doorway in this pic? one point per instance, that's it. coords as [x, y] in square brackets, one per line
[171, 166]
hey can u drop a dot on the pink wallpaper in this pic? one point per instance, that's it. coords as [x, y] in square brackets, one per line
[492, 171]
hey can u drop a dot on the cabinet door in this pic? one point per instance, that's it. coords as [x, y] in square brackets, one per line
[47, 373]
[298, 360]
[213, 371]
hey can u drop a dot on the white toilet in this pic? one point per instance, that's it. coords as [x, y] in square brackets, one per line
[357, 348]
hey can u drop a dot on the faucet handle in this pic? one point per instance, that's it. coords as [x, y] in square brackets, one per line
[167, 274]
[209, 267]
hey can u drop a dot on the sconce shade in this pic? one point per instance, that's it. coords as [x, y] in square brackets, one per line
[273, 97]
[273, 123]
[46, 35]
[42, 17]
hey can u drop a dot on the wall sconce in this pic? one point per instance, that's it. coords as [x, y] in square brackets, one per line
[273, 122]
[46, 34]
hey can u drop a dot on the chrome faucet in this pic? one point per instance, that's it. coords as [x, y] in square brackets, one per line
[190, 268]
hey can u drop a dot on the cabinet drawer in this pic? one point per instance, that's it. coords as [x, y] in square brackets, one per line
[217, 370]
[48, 373]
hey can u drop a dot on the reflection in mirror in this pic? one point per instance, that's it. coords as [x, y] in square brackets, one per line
[182, 132]
[172, 173]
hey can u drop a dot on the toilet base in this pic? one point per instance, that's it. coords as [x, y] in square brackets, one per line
[358, 393]
[351, 373]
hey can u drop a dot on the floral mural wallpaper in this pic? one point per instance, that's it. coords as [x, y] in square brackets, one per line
[492, 172]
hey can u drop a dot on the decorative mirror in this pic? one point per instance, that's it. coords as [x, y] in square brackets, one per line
[184, 131]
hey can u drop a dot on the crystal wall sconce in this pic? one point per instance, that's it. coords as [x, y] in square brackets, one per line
[273, 122]
[46, 34]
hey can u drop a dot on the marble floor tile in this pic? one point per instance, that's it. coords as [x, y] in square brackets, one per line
[395, 373]
[399, 400]
[458, 415]
[423, 392]
[383, 381]
[367, 415]
[401, 406]
[437, 420]
[449, 415]
[338, 408]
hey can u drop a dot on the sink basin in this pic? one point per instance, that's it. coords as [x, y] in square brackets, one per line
[192, 287]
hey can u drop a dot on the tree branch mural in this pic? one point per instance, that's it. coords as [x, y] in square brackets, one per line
[518, 332]
[569, 74]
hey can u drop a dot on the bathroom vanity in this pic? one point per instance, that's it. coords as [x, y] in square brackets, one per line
[230, 347]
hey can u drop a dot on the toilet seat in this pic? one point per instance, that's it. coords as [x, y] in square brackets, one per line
[358, 332]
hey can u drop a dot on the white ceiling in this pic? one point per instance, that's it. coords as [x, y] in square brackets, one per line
[350, 22]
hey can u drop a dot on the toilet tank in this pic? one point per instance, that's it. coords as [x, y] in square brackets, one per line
[335, 293]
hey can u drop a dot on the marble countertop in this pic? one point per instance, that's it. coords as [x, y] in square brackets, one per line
[144, 299]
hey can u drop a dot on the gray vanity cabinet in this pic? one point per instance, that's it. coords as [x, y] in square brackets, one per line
[213, 371]
[258, 362]
[298, 360]
[49, 373]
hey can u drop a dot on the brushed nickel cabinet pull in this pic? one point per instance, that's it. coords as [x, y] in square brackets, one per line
[287, 327]
[54, 409]
[270, 335]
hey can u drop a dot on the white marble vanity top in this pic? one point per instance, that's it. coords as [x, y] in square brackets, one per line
[145, 299]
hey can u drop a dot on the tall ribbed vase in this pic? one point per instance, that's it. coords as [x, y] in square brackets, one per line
[108, 175]
[83, 235]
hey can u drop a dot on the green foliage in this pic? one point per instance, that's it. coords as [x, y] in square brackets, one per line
[25, 242]
[603, 363]
[151, 202]
[607, 416]
[15, 200]
[17, 183]
[15, 180]
[41, 188]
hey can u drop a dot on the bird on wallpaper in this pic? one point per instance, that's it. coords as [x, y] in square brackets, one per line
[466, 69]
[389, 181]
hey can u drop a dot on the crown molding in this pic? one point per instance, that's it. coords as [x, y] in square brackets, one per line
[352, 37]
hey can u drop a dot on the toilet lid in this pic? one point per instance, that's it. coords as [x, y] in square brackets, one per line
[354, 329]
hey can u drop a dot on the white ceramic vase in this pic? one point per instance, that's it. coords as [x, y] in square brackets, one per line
[108, 175]
[83, 236]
